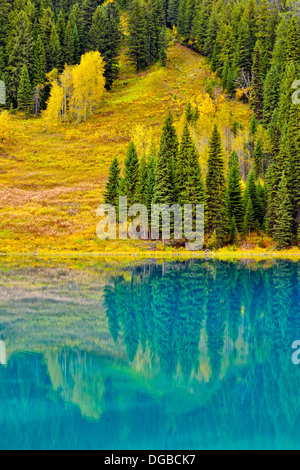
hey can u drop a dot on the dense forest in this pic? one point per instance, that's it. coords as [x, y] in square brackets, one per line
[48, 55]
[254, 47]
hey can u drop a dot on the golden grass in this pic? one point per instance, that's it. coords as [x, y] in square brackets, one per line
[51, 183]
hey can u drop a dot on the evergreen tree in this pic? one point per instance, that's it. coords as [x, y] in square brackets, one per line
[235, 200]
[249, 220]
[165, 185]
[69, 45]
[233, 232]
[283, 222]
[87, 11]
[141, 190]
[138, 39]
[173, 12]
[45, 27]
[25, 98]
[189, 179]
[150, 182]
[258, 159]
[54, 50]
[61, 28]
[105, 37]
[39, 63]
[271, 94]
[216, 197]
[257, 82]
[111, 193]
[292, 51]
[20, 50]
[131, 175]
[285, 100]
[251, 193]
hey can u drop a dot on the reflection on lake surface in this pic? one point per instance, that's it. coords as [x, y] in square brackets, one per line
[183, 355]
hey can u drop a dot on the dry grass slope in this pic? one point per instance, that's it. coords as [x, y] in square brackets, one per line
[52, 183]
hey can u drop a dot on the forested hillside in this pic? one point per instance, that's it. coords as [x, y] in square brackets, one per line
[64, 61]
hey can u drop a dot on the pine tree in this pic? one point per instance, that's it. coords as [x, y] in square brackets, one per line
[243, 51]
[251, 193]
[150, 182]
[173, 12]
[257, 82]
[54, 50]
[111, 193]
[249, 220]
[165, 185]
[216, 197]
[20, 51]
[131, 175]
[61, 26]
[189, 179]
[77, 46]
[69, 45]
[45, 26]
[285, 100]
[141, 190]
[283, 222]
[233, 232]
[235, 200]
[39, 64]
[226, 69]
[258, 159]
[271, 94]
[189, 112]
[292, 51]
[104, 37]
[87, 11]
[290, 162]
[138, 39]
[25, 98]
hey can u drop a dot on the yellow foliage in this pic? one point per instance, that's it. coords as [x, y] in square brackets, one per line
[54, 106]
[78, 92]
[6, 130]
[206, 105]
[263, 135]
[88, 85]
[243, 92]
[142, 138]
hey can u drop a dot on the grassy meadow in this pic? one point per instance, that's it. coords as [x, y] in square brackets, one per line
[52, 181]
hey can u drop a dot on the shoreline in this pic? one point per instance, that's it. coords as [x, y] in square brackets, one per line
[156, 255]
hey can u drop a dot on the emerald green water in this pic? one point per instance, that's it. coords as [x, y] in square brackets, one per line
[183, 355]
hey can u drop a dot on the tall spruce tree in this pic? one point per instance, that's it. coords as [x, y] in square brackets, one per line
[105, 37]
[111, 193]
[257, 81]
[25, 95]
[165, 191]
[271, 94]
[216, 194]
[189, 178]
[235, 199]
[130, 179]
[259, 164]
[141, 190]
[138, 39]
[292, 50]
[283, 222]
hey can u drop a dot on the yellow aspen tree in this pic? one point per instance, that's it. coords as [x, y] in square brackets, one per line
[5, 127]
[54, 106]
[88, 85]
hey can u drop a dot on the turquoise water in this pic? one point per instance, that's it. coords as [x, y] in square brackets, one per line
[173, 356]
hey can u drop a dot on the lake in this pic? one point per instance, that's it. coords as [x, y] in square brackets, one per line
[149, 355]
